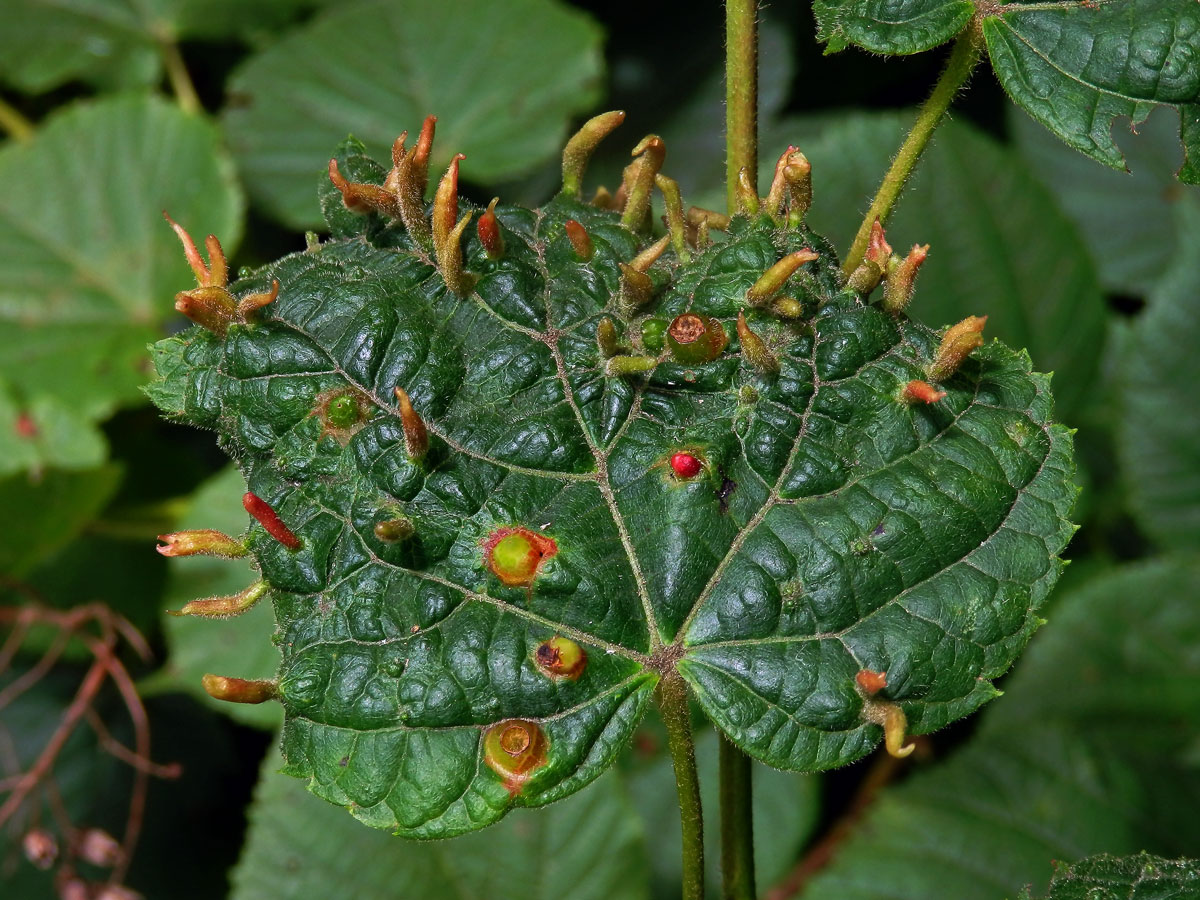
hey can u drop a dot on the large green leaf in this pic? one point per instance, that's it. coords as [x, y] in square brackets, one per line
[1077, 66]
[87, 265]
[890, 26]
[116, 43]
[979, 209]
[1160, 425]
[589, 847]
[1089, 751]
[503, 77]
[1127, 219]
[827, 528]
[41, 432]
[1141, 877]
[43, 511]
[197, 646]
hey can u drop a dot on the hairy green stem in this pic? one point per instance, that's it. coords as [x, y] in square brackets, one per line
[14, 123]
[741, 152]
[673, 705]
[962, 62]
[741, 95]
[737, 824]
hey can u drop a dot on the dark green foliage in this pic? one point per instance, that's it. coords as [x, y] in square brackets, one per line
[1075, 67]
[1141, 877]
[833, 527]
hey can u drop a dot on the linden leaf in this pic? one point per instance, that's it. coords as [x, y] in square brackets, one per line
[117, 43]
[1140, 877]
[361, 68]
[897, 27]
[486, 541]
[1074, 67]
[1077, 66]
[87, 265]
[1160, 424]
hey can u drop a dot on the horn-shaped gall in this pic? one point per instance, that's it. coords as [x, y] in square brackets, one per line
[416, 435]
[580, 240]
[637, 289]
[262, 511]
[580, 147]
[876, 262]
[747, 193]
[201, 542]
[899, 282]
[210, 304]
[364, 198]
[754, 350]
[488, 229]
[630, 365]
[676, 226]
[771, 282]
[958, 343]
[239, 690]
[606, 338]
[651, 153]
[921, 392]
[224, 607]
[886, 714]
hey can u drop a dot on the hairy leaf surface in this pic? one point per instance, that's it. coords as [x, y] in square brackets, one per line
[827, 527]
[898, 27]
[1074, 67]
[1140, 877]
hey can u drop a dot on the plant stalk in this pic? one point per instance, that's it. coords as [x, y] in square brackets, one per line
[179, 77]
[741, 95]
[741, 152]
[962, 62]
[737, 824]
[673, 705]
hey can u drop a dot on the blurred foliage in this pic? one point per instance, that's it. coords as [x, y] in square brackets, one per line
[224, 113]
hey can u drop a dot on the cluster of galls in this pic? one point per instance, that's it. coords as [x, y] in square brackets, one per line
[515, 748]
[93, 846]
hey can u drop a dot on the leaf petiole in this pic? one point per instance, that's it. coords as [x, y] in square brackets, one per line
[963, 59]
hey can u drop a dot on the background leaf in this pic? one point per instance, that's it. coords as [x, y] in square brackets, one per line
[503, 78]
[116, 43]
[1076, 67]
[88, 267]
[588, 847]
[1160, 428]
[1127, 219]
[43, 513]
[1090, 750]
